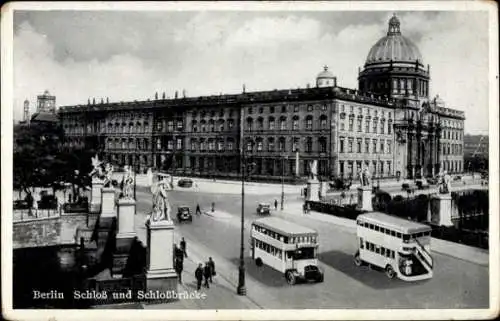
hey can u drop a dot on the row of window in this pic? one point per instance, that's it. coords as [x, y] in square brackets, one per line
[367, 110]
[375, 248]
[274, 251]
[373, 166]
[282, 123]
[385, 146]
[452, 166]
[452, 134]
[280, 144]
[211, 125]
[359, 124]
[130, 143]
[451, 149]
[285, 239]
[391, 232]
[285, 109]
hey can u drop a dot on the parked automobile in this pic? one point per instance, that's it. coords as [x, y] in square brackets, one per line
[422, 184]
[264, 209]
[185, 182]
[20, 205]
[184, 214]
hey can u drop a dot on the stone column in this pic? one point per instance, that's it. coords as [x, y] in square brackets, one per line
[95, 196]
[160, 273]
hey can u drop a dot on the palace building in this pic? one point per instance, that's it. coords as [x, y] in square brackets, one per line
[389, 124]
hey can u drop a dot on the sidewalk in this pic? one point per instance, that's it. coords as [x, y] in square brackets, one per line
[456, 250]
[222, 292]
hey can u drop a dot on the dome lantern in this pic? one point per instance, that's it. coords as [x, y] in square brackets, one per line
[394, 26]
[326, 78]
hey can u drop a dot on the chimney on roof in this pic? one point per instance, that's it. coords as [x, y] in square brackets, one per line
[184, 93]
[93, 101]
[102, 100]
[176, 94]
[163, 95]
[88, 101]
[244, 88]
[107, 100]
[156, 95]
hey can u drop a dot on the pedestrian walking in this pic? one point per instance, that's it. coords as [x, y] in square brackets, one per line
[179, 266]
[207, 273]
[213, 206]
[183, 247]
[304, 208]
[211, 265]
[275, 204]
[179, 254]
[198, 210]
[308, 208]
[199, 276]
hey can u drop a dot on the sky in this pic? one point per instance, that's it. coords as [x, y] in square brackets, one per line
[131, 55]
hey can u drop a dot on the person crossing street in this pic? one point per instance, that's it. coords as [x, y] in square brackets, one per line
[199, 276]
[211, 265]
[183, 247]
[207, 272]
[198, 210]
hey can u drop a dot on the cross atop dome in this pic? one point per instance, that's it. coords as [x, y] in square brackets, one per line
[325, 68]
[394, 26]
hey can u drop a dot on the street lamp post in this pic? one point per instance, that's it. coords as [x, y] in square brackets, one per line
[283, 181]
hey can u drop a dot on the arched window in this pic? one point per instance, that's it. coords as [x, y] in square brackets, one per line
[194, 126]
[271, 123]
[131, 127]
[282, 123]
[221, 125]
[211, 125]
[203, 144]
[250, 123]
[192, 144]
[281, 144]
[323, 122]
[322, 144]
[249, 145]
[360, 123]
[309, 145]
[203, 125]
[270, 144]
[260, 144]
[295, 123]
[260, 123]
[309, 122]
[295, 144]
[230, 144]
[124, 143]
[382, 125]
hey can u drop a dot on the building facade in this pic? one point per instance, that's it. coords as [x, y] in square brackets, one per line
[389, 125]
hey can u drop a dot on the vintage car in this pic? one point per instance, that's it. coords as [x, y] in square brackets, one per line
[264, 209]
[185, 182]
[184, 214]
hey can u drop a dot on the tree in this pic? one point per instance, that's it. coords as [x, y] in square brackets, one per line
[42, 160]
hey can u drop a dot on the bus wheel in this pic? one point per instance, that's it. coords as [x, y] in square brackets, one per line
[389, 271]
[357, 259]
[258, 261]
[290, 278]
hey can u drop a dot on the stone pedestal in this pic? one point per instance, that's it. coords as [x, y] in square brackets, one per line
[126, 216]
[108, 211]
[440, 212]
[160, 273]
[365, 198]
[313, 188]
[95, 196]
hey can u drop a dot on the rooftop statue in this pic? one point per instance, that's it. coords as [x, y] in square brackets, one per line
[128, 183]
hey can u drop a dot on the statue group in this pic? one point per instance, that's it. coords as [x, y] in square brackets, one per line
[101, 171]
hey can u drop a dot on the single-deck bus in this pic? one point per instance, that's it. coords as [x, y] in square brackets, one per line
[399, 246]
[286, 247]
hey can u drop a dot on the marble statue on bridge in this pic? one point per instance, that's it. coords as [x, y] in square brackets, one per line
[365, 177]
[108, 173]
[161, 205]
[444, 183]
[97, 171]
[313, 169]
[127, 184]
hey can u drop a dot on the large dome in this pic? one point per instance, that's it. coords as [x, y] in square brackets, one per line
[394, 47]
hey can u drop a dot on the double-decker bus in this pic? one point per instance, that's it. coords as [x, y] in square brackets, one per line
[286, 247]
[401, 247]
